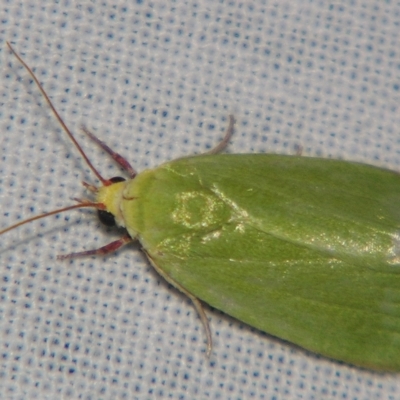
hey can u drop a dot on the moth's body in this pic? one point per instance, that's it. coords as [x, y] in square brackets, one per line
[305, 249]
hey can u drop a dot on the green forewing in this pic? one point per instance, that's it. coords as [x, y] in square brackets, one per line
[305, 249]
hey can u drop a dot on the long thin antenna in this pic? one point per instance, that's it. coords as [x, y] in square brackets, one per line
[105, 182]
[99, 206]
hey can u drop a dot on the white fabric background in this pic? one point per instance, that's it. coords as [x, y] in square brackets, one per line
[157, 80]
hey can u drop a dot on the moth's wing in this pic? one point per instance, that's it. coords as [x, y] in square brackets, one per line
[349, 210]
[303, 249]
[323, 304]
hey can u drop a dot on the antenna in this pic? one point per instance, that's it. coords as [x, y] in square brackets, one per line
[105, 182]
[81, 203]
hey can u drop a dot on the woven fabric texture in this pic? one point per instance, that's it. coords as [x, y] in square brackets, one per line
[156, 81]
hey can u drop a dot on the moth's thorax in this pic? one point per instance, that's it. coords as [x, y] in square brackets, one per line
[111, 196]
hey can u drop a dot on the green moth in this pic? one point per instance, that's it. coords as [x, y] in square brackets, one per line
[305, 249]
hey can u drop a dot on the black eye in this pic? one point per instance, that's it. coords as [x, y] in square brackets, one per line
[106, 217]
[117, 179]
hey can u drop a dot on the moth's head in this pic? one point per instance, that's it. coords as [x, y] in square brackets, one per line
[110, 196]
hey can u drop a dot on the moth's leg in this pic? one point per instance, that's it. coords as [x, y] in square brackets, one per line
[196, 302]
[107, 249]
[121, 161]
[224, 142]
